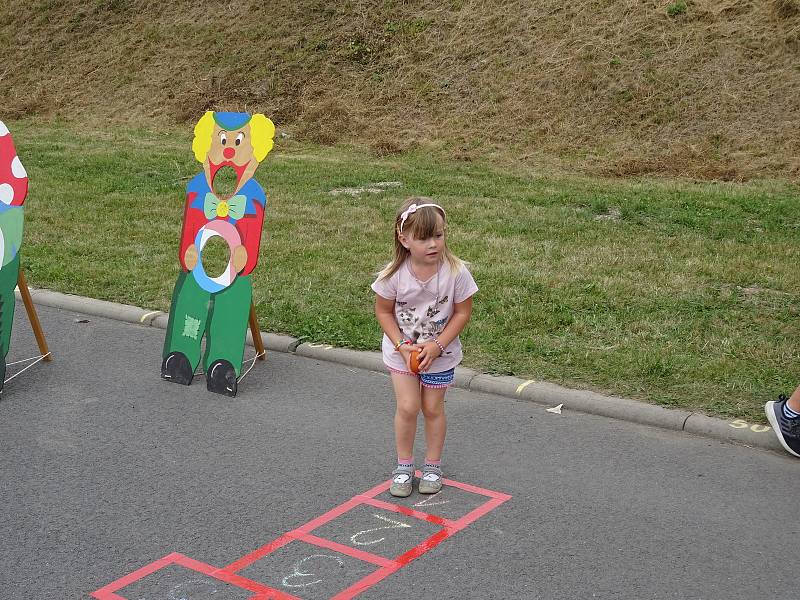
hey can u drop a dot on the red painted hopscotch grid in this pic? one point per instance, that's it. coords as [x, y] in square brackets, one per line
[303, 533]
[263, 592]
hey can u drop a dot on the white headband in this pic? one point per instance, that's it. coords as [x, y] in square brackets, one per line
[414, 208]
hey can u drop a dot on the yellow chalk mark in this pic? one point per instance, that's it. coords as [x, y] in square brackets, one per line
[525, 384]
[742, 424]
[759, 428]
[150, 314]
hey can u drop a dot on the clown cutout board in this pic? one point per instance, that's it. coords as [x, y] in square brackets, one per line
[13, 190]
[220, 307]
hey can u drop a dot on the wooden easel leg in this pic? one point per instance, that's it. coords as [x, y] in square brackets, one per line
[32, 316]
[258, 343]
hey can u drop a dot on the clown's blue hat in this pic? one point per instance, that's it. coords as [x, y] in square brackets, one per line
[231, 120]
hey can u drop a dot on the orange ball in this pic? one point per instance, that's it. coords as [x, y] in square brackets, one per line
[415, 361]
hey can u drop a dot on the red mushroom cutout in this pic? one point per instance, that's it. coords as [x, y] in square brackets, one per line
[13, 177]
[13, 190]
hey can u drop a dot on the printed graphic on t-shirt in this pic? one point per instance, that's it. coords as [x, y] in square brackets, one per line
[423, 309]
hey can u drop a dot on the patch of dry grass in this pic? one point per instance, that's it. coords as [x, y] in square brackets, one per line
[702, 88]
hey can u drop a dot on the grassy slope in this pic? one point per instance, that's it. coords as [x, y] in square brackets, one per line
[680, 293]
[685, 294]
[621, 87]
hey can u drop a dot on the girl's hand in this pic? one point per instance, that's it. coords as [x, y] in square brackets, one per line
[428, 352]
[405, 351]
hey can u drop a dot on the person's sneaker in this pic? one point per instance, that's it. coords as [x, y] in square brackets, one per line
[221, 378]
[176, 368]
[787, 430]
[431, 480]
[402, 480]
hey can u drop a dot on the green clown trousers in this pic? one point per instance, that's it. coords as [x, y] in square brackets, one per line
[8, 281]
[222, 317]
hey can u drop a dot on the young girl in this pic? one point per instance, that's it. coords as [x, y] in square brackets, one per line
[424, 300]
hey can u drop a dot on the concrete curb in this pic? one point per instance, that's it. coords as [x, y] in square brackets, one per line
[735, 431]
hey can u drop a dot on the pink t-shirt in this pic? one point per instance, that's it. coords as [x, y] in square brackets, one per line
[422, 310]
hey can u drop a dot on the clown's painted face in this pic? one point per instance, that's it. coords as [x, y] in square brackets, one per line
[231, 147]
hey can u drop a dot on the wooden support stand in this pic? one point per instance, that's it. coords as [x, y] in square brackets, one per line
[34, 318]
[258, 343]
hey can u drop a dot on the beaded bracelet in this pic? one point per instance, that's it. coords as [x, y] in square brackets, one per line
[438, 343]
[400, 342]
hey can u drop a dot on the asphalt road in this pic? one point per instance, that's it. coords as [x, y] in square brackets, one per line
[107, 470]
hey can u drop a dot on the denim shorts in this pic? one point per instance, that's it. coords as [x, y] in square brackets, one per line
[431, 380]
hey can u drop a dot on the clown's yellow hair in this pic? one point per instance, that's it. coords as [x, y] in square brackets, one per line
[262, 130]
[203, 131]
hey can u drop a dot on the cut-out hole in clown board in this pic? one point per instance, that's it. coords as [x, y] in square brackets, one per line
[216, 255]
[224, 184]
[212, 229]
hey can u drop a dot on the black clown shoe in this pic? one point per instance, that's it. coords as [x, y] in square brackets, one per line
[221, 378]
[176, 368]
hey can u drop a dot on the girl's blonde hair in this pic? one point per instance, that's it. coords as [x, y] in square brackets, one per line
[262, 130]
[421, 225]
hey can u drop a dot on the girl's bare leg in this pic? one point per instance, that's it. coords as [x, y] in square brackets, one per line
[408, 398]
[435, 421]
